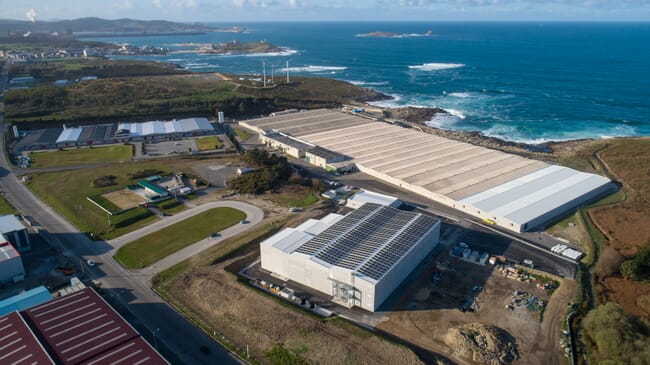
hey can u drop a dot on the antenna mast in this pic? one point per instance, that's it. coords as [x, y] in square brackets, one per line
[264, 72]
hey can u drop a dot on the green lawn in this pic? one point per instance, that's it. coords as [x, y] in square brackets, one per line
[160, 244]
[242, 134]
[81, 156]
[66, 192]
[294, 197]
[5, 207]
[208, 143]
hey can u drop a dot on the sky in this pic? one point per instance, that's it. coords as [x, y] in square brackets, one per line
[232, 11]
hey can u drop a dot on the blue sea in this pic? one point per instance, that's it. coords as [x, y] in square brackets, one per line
[525, 82]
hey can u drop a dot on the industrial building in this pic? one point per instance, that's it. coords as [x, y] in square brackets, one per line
[79, 328]
[11, 264]
[507, 190]
[98, 134]
[12, 230]
[25, 300]
[359, 259]
[362, 197]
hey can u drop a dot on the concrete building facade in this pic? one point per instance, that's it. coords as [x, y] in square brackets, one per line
[11, 264]
[358, 259]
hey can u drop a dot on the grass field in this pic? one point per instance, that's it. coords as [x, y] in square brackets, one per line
[242, 134]
[294, 196]
[168, 240]
[66, 192]
[208, 143]
[5, 207]
[82, 156]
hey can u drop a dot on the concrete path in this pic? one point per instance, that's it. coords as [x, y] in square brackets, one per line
[254, 215]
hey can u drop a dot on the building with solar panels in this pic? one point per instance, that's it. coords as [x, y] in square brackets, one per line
[359, 259]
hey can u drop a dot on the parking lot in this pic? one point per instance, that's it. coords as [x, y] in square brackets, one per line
[165, 148]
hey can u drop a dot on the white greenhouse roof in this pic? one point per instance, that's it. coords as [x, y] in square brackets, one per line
[530, 196]
[69, 135]
[365, 196]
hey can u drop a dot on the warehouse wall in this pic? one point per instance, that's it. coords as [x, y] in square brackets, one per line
[393, 278]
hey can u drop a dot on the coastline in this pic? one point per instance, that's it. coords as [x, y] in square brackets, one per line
[413, 117]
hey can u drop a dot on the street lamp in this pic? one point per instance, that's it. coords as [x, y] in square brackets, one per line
[155, 340]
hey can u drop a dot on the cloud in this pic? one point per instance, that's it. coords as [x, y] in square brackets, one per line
[255, 3]
[478, 3]
[156, 3]
[185, 4]
[293, 4]
[31, 15]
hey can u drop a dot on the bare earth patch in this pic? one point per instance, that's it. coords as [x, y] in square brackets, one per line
[247, 317]
[125, 198]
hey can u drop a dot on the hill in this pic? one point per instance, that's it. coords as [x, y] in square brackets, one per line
[97, 26]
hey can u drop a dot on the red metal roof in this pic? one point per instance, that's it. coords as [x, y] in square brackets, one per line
[81, 328]
[18, 345]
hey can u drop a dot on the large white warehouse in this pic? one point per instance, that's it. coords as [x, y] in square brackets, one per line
[359, 259]
[511, 191]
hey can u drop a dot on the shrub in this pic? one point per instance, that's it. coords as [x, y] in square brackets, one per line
[144, 173]
[616, 337]
[104, 181]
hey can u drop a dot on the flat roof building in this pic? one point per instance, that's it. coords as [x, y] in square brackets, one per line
[514, 192]
[362, 197]
[359, 259]
[15, 232]
[11, 264]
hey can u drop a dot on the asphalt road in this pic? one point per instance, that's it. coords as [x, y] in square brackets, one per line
[176, 338]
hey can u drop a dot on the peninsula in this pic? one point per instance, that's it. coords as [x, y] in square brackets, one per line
[237, 47]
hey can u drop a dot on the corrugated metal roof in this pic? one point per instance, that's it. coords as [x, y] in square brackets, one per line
[9, 223]
[26, 300]
[18, 345]
[83, 328]
[530, 196]
[69, 135]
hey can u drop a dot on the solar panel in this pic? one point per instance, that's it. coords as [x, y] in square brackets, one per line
[370, 240]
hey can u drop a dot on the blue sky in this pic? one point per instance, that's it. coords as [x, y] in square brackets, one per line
[230, 11]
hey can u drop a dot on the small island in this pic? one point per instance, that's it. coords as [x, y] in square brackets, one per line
[237, 47]
[380, 34]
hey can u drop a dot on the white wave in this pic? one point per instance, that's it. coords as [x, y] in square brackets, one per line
[436, 66]
[192, 64]
[462, 95]
[175, 60]
[311, 68]
[442, 121]
[284, 52]
[367, 83]
[455, 113]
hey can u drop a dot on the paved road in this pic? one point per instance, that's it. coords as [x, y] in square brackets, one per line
[172, 332]
[254, 215]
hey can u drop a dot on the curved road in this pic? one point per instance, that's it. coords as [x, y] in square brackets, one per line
[166, 327]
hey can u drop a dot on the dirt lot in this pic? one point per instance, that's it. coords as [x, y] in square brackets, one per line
[428, 309]
[125, 198]
[248, 318]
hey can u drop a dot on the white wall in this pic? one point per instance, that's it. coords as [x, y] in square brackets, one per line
[10, 268]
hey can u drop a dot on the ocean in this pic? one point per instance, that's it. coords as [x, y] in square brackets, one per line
[523, 82]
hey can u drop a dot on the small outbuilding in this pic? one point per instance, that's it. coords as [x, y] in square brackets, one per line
[11, 264]
[15, 232]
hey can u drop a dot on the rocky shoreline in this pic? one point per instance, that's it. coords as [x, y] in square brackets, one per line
[413, 117]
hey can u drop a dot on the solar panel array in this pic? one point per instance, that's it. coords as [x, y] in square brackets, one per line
[369, 240]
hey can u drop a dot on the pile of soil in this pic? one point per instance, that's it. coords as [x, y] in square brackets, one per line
[482, 343]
